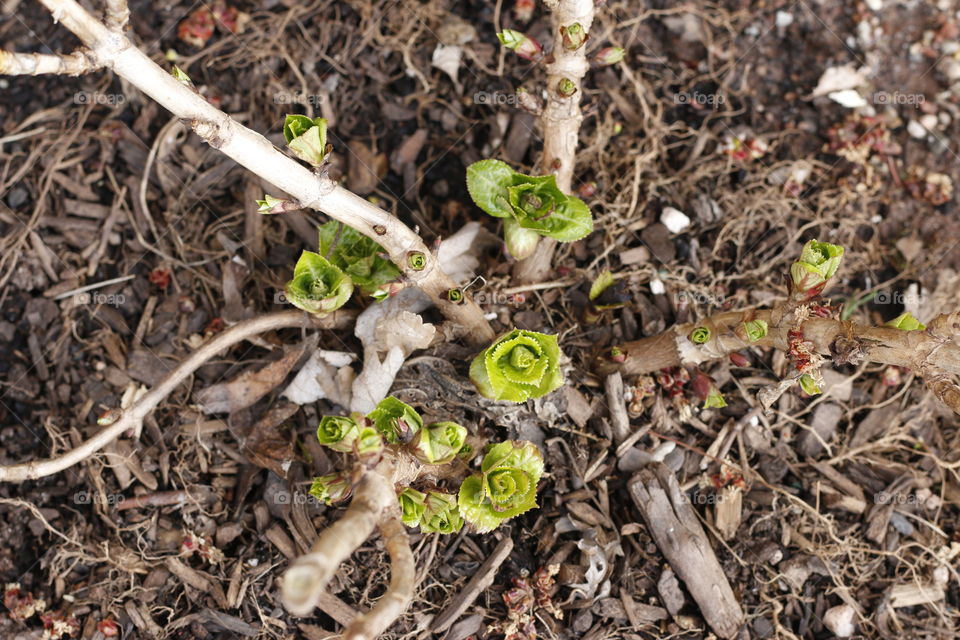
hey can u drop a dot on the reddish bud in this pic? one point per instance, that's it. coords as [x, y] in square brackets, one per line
[609, 55]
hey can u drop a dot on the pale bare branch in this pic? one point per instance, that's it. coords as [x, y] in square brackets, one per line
[118, 15]
[35, 64]
[253, 151]
[560, 120]
[132, 417]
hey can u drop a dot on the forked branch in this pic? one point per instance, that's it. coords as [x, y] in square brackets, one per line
[109, 48]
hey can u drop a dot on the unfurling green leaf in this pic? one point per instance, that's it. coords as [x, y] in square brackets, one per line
[338, 433]
[520, 43]
[601, 284]
[700, 335]
[521, 243]
[412, 505]
[517, 366]
[439, 443]
[358, 256]
[369, 444]
[317, 285]
[818, 263]
[307, 138]
[397, 421]
[755, 330]
[331, 488]
[271, 205]
[441, 514]
[181, 76]
[609, 55]
[573, 36]
[809, 385]
[906, 322]
[416, 260]
[714, 400]
[532, 203]
[505, 487]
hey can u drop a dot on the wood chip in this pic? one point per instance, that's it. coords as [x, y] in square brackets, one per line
[676, 529]
[482, 579]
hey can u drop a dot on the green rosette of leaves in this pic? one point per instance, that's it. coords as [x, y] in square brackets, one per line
[818, 263]
[439, 443]
[318, 286]
[505, 487]
[517, 366]
[331, 488]
[338, 433]
[532, 206]
[306, 138]
[396, 421]
[357, 255]
[412, 505]
[441, 514]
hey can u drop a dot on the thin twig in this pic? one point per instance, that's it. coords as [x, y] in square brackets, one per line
[131, 418]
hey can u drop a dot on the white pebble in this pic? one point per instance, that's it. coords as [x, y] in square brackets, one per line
[848, 98]
[839, 620]
[874, 5]
[784, 18]
[674, 219]
[929, 121]
[656, 287]
[916, 130]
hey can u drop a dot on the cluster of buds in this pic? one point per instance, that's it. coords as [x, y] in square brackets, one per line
[58, 626]
[859, 137]
[527, 595]
[728, 477]
[197, 28]
[935, 188]
[743, 148]
[21, 604]
[644, 387]
[201, 545]
[673, 380]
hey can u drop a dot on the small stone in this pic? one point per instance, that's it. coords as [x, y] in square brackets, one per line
[674, 219]
[656, 287]
[839, 620]
[916, 130]
[784, 19]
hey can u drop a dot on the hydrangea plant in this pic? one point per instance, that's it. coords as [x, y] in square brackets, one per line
[505, 486]
[532, 206]
[358, 256]
[318, 286]
[518, 366]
